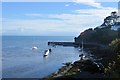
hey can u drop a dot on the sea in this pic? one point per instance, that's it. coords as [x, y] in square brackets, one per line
[20, 61]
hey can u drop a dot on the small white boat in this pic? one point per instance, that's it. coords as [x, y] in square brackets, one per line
[46, 52]
[34, 48]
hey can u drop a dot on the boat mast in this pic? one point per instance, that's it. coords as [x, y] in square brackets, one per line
[82, 45]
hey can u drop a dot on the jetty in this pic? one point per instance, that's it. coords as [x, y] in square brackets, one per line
[74, 44]
[62, 43]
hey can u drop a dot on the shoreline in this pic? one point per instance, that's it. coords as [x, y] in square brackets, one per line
[73, 71]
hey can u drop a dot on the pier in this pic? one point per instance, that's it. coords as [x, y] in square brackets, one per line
[73, 44]
[62, 43]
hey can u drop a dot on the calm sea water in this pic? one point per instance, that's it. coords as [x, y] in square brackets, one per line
[20, 61]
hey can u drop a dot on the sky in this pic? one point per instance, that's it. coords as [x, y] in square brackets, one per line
[53, 18]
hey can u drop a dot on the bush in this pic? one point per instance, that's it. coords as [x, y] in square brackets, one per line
[115, 45]
[113, 68]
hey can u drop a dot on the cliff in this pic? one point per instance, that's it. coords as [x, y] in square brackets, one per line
[103, 34]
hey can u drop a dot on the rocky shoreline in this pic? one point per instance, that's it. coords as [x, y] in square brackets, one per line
[86, 68]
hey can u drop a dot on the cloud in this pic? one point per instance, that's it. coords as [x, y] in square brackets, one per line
[89, 2]
[33, 27]
[69, 24]
[67, 5]
[104, 12]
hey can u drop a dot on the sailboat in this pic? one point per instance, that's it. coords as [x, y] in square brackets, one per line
[82, 55]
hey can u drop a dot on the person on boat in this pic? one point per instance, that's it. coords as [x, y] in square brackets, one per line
[50, 49]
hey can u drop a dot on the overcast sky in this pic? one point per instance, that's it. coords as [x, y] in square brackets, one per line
[53, 18]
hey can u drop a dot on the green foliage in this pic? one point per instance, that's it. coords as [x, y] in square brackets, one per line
[115, 45]
[113, 68]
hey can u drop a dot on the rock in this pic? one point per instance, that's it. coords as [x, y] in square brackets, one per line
[90, 66]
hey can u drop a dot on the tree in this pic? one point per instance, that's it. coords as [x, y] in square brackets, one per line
[115, 45]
